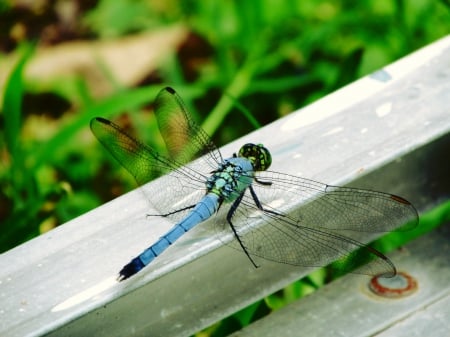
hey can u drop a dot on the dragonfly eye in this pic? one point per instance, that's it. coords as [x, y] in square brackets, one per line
[258, 155]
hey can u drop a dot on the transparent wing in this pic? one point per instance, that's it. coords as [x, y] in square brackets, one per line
[180, 188]
[184, 138]
[330, 225]
[193, 156]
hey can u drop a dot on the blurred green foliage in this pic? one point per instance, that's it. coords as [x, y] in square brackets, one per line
[252, 61]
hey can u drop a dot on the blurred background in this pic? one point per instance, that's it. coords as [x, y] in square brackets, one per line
[238, 65]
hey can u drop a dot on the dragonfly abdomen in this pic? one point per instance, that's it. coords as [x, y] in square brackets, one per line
[201, 212]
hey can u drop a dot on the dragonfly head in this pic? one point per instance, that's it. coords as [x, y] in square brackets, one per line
[258, 155]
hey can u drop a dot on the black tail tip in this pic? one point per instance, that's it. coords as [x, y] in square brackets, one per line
[130, 269]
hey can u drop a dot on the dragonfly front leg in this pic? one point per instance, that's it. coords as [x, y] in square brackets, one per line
[262, 182]
[258, 203]
[230, 214]
[173, 212]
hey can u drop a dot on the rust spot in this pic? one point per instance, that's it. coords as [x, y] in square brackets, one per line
[399, 286]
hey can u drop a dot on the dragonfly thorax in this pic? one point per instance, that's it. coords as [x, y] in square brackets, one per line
[258, 155]
[232, 177]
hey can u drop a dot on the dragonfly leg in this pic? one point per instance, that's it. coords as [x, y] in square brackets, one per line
[230, 214]
[173, 212]
[261, 182]
[258, 203]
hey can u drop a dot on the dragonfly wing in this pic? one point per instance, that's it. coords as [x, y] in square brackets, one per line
[334, 207]
[192, 154]
[184, 183]
[327, 227]
[139, 159]
[176, 193]
[184, 138]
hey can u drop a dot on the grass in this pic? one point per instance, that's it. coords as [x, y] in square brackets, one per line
[249, 61]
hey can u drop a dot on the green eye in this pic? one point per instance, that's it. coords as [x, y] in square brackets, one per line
[258, 155]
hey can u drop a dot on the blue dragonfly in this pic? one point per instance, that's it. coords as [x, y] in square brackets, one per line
[254, 206]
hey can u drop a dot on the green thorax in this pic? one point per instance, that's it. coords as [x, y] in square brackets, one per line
[235, 174]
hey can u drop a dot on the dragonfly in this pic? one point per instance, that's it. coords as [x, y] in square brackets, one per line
[256, 209]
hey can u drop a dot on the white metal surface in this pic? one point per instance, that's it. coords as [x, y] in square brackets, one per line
[388, 132]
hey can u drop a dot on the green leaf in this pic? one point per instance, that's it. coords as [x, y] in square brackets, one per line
[12, 105]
